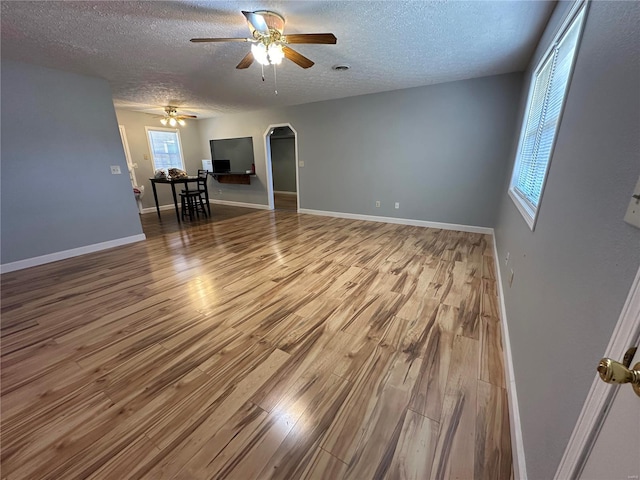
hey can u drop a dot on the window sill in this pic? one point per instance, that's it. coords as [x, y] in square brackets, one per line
[525, 210]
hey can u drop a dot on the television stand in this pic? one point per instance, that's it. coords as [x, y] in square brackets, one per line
[237, 178]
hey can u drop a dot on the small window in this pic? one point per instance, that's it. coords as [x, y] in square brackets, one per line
[549, 86]
[165, 147]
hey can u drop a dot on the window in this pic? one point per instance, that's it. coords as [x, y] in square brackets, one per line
[166, 151]
[549, 86]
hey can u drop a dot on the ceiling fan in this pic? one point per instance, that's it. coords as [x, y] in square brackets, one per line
[172, 118]
[269, 45]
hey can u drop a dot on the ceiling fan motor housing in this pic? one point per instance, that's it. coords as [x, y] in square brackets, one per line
[274, 21]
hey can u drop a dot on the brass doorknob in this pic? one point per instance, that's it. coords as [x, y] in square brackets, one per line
[615, 372]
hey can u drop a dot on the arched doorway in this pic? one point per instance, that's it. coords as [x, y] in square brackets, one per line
[281, 147]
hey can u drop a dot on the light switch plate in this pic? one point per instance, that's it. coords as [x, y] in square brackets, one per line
[115, 170]
[301, 163]
[632, 216]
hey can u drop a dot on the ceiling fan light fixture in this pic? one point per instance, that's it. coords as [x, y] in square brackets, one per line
[268, 55]
[163, 121]
[260, 53]
[173, 122]
[269, 46]
[182, 122]
[275, 54]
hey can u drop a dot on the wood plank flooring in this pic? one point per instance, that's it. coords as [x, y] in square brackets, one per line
[266, 345]
[285, 201]
[169, 224]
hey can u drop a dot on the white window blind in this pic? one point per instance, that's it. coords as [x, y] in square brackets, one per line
[544, 109]
[165, 148]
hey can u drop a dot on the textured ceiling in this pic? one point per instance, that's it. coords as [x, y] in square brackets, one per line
[143, 48]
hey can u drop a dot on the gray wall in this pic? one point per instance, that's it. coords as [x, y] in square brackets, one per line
[573, 273]
[134, 124]
[283, 163]
[441, 150]
[59, 138]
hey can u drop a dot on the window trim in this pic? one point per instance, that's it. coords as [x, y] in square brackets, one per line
[529, 211]
[150, 147]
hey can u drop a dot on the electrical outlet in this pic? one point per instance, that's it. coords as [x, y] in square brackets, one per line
[145, 156]
[511, 278]
[506, 259]
[301, 163]
[219, 192]
[397, 204]
[115, 170]
[377, 203]
[632, 217]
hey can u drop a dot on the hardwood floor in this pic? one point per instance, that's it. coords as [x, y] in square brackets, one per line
[266, 345]
[153, 227]
[285, 201]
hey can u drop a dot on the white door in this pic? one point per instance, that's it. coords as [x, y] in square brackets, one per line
[127, 153]
[616, 452]
[138, 189]
[605, 444]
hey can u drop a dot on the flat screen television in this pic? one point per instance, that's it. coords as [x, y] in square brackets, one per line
[221, 166]
[232, 154]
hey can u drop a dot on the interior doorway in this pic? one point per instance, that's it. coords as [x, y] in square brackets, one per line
[282, 167]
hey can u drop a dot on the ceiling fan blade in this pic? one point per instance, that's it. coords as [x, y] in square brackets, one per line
[187, 116]
[324, 38]
[246, 61]
[257, 22]
[297, 58]
[203, 40]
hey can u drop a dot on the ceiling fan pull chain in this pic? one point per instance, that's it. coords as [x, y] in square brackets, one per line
[275, 77]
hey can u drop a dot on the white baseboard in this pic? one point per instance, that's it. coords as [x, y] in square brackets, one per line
[74, 252]
[240, 204]
[400, 221]
[517, 445]
[162, 207]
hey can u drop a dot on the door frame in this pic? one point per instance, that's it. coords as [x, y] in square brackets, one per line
[267, 150]
[601, 396]
[127, 154]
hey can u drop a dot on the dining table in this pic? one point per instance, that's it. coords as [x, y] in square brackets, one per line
[173, 181]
